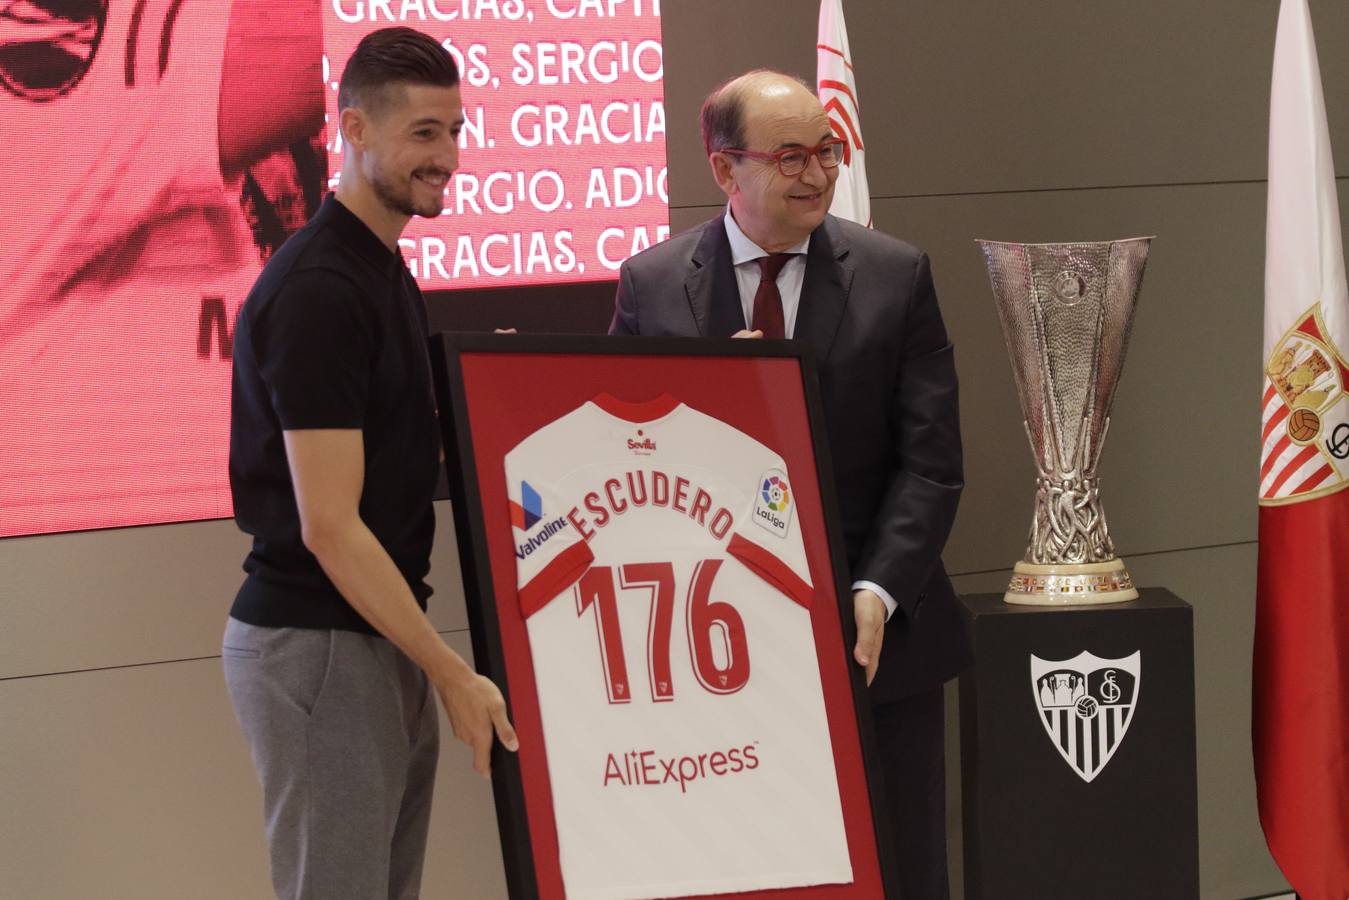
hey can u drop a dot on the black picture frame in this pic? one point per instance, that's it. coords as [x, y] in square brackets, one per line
[456, 399]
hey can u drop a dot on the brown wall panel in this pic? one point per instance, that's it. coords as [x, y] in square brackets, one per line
[130, 596]
[962, 96]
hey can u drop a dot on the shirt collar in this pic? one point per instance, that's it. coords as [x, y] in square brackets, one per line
[744, 250]
[357, 234]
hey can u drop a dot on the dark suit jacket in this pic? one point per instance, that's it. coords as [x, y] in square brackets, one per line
[887, 377]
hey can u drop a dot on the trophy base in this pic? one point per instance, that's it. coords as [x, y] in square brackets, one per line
[1082, 584]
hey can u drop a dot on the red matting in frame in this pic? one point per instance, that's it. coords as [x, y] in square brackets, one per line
[511, 395]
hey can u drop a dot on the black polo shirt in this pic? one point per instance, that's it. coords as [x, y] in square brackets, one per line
[333, 335]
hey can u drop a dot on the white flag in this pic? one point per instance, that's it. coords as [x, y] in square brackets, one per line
[1305, 421]
[1301, 662]
[837, 89]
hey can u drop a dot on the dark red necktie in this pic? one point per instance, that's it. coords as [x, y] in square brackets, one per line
[767, 299]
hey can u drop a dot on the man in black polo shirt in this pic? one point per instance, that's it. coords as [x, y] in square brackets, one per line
[329, 657]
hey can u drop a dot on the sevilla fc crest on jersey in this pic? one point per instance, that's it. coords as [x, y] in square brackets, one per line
[1086, 705]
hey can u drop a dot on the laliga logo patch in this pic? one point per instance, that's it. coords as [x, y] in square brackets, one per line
[1086, 704]
[773, 502]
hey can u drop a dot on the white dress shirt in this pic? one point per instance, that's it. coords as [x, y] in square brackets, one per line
[744, 256]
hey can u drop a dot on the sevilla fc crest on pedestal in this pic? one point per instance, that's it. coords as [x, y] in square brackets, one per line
[1086, 704]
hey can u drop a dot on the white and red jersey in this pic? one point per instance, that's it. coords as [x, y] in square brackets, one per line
[665, 585]
[118, 229]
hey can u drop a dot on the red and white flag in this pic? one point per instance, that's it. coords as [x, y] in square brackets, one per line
[837, 89]
[1300, 725]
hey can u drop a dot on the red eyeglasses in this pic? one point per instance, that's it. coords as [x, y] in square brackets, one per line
[793, 160]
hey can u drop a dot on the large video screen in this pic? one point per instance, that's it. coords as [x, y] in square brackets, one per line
[154, 153]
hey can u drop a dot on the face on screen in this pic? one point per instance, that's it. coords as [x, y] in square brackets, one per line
[411, 147]
[771, 208]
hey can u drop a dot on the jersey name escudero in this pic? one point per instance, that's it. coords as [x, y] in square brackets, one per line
[667, 596]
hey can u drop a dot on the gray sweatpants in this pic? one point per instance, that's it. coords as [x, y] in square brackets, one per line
[343, 732]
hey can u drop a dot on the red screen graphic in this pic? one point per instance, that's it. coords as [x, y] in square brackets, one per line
[154, 153]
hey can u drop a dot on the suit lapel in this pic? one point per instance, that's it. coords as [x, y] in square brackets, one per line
[714, 297]
[824, 295]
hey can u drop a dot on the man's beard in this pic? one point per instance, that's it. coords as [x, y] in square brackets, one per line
[402, 201]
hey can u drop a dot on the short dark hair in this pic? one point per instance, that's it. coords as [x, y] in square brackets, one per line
[723, 113]
[391, 56]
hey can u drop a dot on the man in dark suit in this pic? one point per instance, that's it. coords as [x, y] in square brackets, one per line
[778, 264]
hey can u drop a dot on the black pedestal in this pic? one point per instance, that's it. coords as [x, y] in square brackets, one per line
[1078, 756]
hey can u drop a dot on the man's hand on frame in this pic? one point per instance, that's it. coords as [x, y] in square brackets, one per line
[869, 611]
[477, 711]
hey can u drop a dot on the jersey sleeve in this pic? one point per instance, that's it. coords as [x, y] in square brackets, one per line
[551, 554]
[767, 537]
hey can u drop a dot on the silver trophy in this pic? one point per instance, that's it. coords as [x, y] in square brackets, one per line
[1066, 312]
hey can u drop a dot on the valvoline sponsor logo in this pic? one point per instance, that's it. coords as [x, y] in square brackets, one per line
[527, 514]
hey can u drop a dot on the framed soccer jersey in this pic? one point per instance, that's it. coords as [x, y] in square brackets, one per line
[654, 578]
